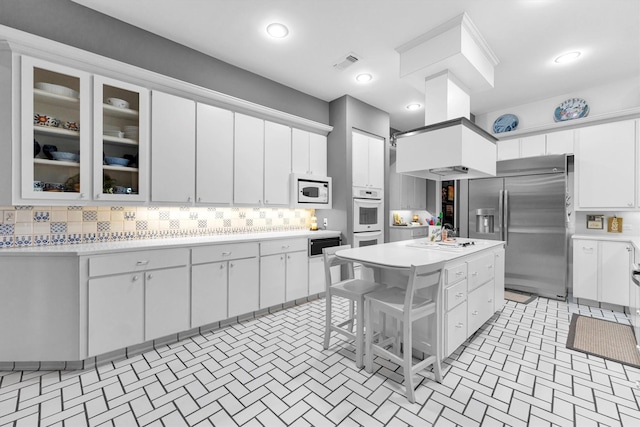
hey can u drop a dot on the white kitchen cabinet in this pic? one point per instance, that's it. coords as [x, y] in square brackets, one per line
[316, 275]
[398, 234]
[284, 271]
[560, 142]
[605, 166]
[167, 302]
[224, 282]
[601, 270]
[116, 312]
[367, 161]
[405, 191]
[248, 166]
[120, 131]
[214, 160]
[277, 161]
[135, 297]
[244, 286]
[498, 277]
[173, 146]
[308, 153]
[50, 91]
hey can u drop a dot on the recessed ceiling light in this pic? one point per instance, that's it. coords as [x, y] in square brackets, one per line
[567, 57]
[277, 30]
[364, 78]
[412, 107]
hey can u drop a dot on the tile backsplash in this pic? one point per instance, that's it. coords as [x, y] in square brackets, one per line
[57, 225]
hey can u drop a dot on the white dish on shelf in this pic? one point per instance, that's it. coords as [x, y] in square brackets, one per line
[116, 133]
[57, 89]
[117, 102]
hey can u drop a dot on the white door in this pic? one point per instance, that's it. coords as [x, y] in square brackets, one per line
[300, 152]
[585, 269]
[376, 163]
[244, 286]
[318, 154]
[214, 155]
[277, 161]
[360, 159]
[173, 148]
[167, 302]
[248, 160]
[297, 275]
[208, 293]
[272, 280]
[615, 267]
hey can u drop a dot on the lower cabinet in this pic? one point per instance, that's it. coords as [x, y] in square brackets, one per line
[224, 282]
[284, 271]
[601, 270]
[147, 303]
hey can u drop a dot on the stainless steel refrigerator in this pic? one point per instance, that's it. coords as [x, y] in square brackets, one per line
[525, 207]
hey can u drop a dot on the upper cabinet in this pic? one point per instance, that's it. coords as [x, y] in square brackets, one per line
[214, 160]
[308, 153]
[173, 152]
[248, 166]
[277, 161]
[561, 142]
[121, 140]
[367, 153]
[605, 165]
[56, 133]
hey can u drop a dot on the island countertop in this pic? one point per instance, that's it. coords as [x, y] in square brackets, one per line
[401, 255]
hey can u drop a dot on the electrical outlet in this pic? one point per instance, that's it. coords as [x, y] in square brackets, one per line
[325, 222]
[9, 217]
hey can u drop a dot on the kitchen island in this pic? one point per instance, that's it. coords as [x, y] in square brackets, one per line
[473, 280]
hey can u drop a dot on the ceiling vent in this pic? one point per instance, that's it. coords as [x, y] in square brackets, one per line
[346, 61]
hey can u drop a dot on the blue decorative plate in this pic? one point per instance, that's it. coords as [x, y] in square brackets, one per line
[505, 123]
[573, 108]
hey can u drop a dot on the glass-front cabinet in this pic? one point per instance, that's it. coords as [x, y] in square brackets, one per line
[120, 135]
[56, 149]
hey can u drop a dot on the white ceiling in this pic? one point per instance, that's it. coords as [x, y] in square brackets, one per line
[525, 36]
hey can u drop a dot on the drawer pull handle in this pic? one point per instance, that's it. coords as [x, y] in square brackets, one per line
[285, 246]
[221, 267]
[145, 262]
[475, 313]
[459, 273]
[489, 266]
[459, 325]
[490, 300]
[231, 265]
[459, 294]
[150, 276]
[226, 253]
[475, 273]
[134, 279]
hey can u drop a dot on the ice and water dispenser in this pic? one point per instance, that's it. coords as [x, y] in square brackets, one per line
[485, 220]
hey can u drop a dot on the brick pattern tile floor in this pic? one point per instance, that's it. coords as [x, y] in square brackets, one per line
[272, 371]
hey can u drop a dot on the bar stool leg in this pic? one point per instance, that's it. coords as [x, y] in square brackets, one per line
[327, 328]
[351, 314]
[368, 354]
[360, 332]
[408, 362]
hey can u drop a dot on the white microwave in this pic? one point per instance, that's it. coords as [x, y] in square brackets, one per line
[309, 191]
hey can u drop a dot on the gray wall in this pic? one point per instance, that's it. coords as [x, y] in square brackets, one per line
[75, 25]
[348, 113]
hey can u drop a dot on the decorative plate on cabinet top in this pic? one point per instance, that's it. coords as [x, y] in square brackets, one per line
[573, 108]
[505, 123]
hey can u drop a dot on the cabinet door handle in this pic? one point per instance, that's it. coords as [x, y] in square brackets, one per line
[459, 294]
[281, 258]
[459, 325]
[475, 313]
[188, 198]
[226, 253]
[97, 195]
[490, 300]
[221, 267]
[475, 273]
[490, 266]
[199, 199]
[82, 195]
[285, 246]
[134, 278]
[144, 262]
[630, 204]
[149, 276]
[459, 273]
[230, 265]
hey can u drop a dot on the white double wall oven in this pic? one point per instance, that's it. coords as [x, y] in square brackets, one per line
[368, 214]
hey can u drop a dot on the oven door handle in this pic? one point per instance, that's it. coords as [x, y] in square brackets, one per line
[369, 201]
[635, 272]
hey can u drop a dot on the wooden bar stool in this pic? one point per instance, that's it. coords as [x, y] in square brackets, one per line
[351, 289]
[405, 307]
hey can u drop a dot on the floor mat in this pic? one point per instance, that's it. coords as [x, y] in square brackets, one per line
[519, 297]
[603, 338]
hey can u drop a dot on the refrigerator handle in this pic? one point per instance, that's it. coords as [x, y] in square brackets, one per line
[505, 217]
[500, 214]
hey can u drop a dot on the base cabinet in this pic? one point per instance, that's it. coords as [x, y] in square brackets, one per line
[284, 271]
[209, 293]
[244, 286]
[167, 303]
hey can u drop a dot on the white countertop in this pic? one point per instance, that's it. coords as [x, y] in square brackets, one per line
[401, 255]
[410, 226]
[166, 243]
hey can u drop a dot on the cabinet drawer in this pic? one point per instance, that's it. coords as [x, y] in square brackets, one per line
[456, 294]
[282, 246]
[456, 325]
[225, 252]
[481, 306]
[480, 271]
[102, 265]
[455, 273]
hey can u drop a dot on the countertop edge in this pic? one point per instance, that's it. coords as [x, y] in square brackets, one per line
[83, 249]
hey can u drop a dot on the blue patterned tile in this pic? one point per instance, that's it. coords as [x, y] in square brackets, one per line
[185, 208]
[41, 240]
[74, 208]
[58, 227]
[117, 208]
[129, 216]
[6, 242]
[174, 223]
[74, 238]
[226, 223]
[58, 239]
[104, 237]
[41, 216]
[142, 225]
[89, 238]
[117, 236]
[249, 222]
[7, 229]
[23, 241]
[219, 215]
[104, 226]
[202, 223]
[193, 215]
[129, 235]
[164, 215]
[89, 215]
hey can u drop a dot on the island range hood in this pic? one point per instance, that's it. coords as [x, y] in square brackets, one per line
[446, 63]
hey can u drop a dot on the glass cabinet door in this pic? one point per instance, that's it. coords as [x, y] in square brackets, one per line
[56, 128]
[120, 126]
